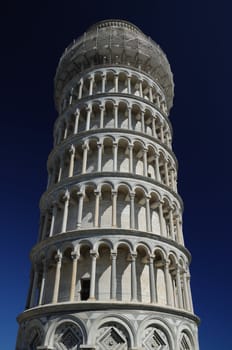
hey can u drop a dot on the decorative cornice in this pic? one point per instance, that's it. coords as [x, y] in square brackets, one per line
[71, 307]
[98, 232]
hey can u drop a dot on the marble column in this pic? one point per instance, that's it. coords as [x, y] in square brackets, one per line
[99, 158]
[145, 150]
[114, 208]
[129, 118]
[186, 293]
[162, 132]
[133, 277]
[189, 292]
[43, 281]
[168, 282]
[157, 172]
[102, 112]
[154, 133]
[161, 219]
[75, 258]
[113, 275]
[116, 115]
[85, 148]
[71, 161]
[94, 256]
[179, 289]
[65, 212]
[140, 88]
[129, 84]
[58, 260]
[148, 214]
[76, 123]
[91, 81]
[150, 94]
[116, 83]
[103, 82]
[54, 213]
[142, 121]
[171, 223]
[132, 210]
[97, 201]
[89, 111]
[115, 155]
[80, 209]
[80, 89]
[61, 168]
[152, 279]
[172, 179]
[130, 146]
[166, 172]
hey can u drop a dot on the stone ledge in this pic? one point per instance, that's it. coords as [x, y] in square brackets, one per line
[80, 234]
[103, 306]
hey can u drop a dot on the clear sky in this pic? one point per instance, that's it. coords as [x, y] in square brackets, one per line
[196, 36]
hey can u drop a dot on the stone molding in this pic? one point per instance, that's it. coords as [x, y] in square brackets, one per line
[102, 232]
[71, 307]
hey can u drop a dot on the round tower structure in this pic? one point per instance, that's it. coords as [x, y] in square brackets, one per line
[110, 270]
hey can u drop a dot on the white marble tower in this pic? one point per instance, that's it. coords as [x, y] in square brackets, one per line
[110, 270]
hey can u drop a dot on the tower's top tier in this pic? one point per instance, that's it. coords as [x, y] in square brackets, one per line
[115, 42]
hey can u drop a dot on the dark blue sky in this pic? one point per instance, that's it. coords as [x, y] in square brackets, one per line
[196, 36]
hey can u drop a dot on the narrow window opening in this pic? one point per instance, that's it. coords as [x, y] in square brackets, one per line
[85, 288]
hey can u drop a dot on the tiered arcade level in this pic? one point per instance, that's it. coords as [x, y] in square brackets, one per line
[110, 270]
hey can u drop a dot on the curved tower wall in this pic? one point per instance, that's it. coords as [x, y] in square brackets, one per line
[110, 269]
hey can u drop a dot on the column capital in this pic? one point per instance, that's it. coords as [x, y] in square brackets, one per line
[113, 254]
[132, 194]
[66, 196]
[75, 255]
[58, 257]
[114, 192]
[85, 146]
[71, 149]
[97, 192]
[80, 194]
[89, 108]
[76, 112]
[145, 149]
[94, 254]
[132, 256]
[151, 258]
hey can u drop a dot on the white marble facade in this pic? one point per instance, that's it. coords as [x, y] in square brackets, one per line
[110, 269]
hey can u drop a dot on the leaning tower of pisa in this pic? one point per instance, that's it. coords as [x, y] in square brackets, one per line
[110, 270]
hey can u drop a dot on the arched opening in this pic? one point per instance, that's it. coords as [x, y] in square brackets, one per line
[106, 206]
[154, 214]
[142, 272]
[123, 156]
[83, 274]
[107, 156]
[88, 207]
[160, 278]
[140, 210]
[123, 273]
[92, 157]
[103, 276]
[123, 207]
[122, 115]
[65, 276]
